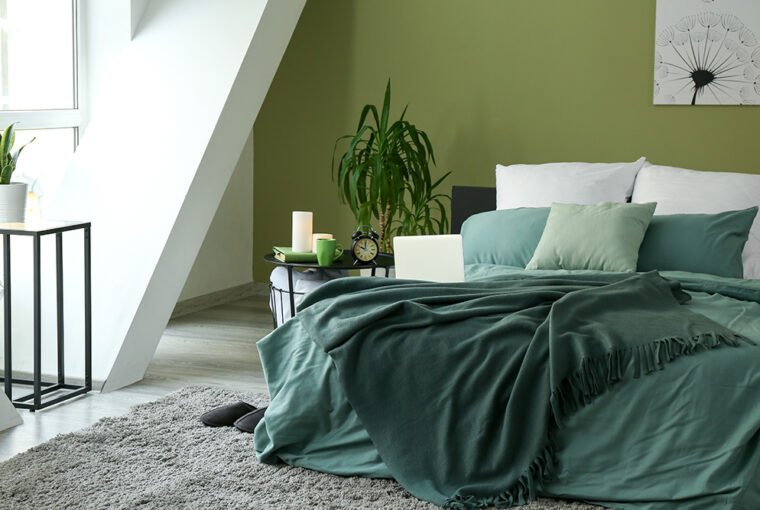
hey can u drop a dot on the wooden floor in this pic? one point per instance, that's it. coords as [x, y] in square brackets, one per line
[214, 347]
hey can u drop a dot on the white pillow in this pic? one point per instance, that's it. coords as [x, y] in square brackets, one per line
[571, 183]
[680, 191]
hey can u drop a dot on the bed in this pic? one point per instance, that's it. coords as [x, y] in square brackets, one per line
[631, 390]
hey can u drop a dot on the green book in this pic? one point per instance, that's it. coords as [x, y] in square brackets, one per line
[286, 254]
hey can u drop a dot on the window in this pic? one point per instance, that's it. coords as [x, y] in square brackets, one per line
[38, 85]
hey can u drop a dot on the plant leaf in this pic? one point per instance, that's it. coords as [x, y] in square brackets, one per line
[18, 152]
[6, 144]
[386, 106]
[5, 174]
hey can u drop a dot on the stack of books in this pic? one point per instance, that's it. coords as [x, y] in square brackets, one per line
[286, 254]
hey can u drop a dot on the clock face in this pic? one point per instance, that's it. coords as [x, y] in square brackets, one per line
[365, 249]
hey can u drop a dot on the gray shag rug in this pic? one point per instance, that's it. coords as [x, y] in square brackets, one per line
[160, 456]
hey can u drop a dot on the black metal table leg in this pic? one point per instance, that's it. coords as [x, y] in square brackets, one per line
[34, 400]
[59, 305]
[87, 311]
[37, 326]
[273, 306]
[8, 369]
[290, 288]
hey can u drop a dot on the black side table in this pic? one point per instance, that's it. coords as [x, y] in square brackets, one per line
[383, 261]
[40, 388]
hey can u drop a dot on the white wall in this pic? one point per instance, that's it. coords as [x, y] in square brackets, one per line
[105, 27]
[177, 107]
[105, 30]
[225, 259]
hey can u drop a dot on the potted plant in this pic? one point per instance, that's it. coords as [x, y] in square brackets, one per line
[12, 194]
[385, 174]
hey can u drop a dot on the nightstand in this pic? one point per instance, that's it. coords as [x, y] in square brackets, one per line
[34, 400]
[383, 261]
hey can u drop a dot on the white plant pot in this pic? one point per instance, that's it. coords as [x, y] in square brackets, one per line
[12, 202]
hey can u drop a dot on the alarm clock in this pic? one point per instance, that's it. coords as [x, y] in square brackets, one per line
[365, 247]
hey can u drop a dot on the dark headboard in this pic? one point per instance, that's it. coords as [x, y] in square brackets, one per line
[469, 200]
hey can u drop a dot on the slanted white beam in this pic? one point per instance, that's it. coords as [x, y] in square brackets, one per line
[177, 108]
[9, 417]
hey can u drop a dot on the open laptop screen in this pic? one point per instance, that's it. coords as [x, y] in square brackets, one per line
[430, 258]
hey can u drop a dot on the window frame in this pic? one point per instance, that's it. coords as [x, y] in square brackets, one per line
[68, 118]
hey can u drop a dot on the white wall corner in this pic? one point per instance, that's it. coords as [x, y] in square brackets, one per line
[244, 92]
[225, 259]
[104, 31]
[137, 8]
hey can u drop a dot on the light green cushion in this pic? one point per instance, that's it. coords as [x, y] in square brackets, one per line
[506, 237]
[698, 243]
[604, 237]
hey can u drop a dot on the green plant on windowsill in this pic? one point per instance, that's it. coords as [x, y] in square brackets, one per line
[12, 194]
[384, 174]
[8, 161]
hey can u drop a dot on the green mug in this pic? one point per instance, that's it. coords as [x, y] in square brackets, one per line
[327, 251]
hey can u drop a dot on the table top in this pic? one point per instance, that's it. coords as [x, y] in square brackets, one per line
[41, 227]
[345, 262]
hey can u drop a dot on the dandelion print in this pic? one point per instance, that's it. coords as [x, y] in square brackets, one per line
[707, 56]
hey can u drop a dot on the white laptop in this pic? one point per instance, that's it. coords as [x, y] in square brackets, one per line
[429, 258]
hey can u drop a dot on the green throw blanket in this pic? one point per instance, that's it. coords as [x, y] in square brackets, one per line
[461, 386]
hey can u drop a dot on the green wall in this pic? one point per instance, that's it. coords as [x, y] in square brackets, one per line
[497, 81]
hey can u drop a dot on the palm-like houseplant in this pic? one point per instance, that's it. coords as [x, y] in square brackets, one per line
[384, 174]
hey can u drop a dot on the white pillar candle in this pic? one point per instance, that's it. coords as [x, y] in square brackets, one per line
[314, 238]
[302, 230]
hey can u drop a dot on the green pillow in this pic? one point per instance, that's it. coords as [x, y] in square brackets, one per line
[506, 237]
[699, 243]
[604, 237]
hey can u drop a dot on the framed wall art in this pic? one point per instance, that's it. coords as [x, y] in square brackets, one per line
[707, 52]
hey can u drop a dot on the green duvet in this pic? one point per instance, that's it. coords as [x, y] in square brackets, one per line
[617, 389]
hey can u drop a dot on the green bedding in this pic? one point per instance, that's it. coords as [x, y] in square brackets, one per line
[495, 390]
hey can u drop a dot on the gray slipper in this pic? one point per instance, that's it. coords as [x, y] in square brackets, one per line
[226, 416]
[248, 422]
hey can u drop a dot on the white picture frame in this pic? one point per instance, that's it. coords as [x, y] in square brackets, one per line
[707, 52]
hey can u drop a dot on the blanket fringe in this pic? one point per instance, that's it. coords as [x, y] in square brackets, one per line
[594, 377]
